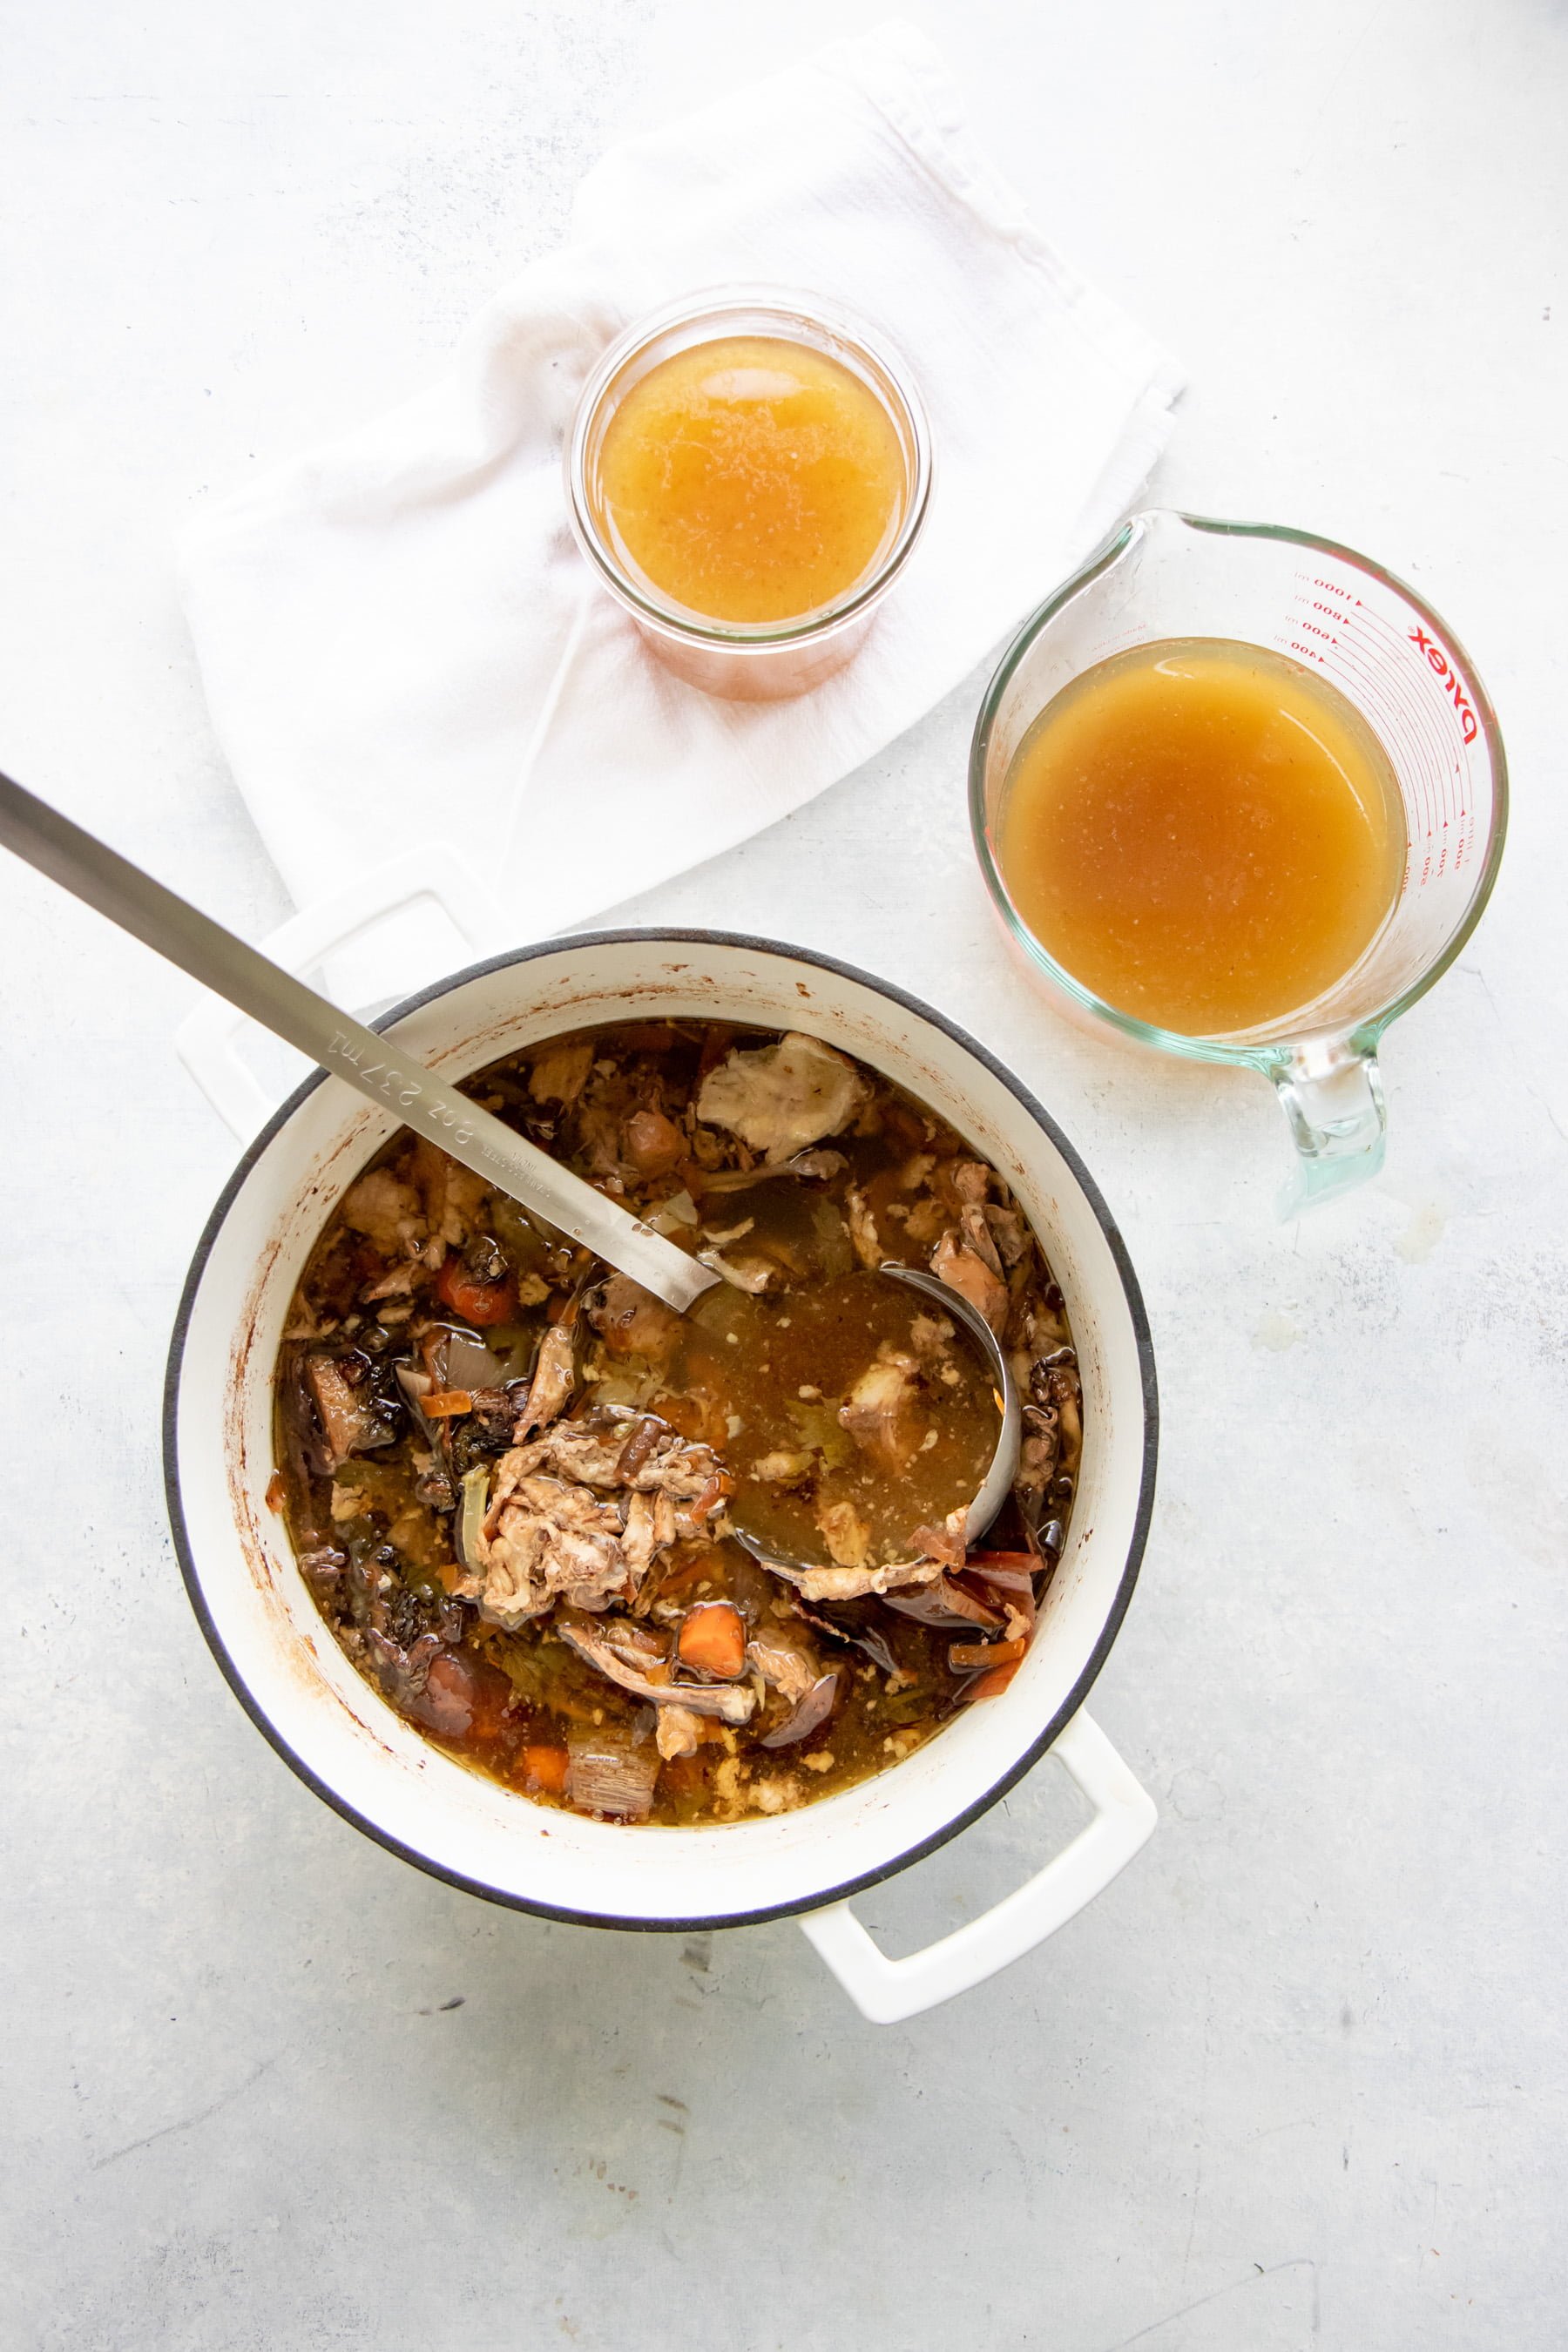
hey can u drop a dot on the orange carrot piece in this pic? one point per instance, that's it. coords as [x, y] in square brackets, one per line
[713, 1637]
[447, 1404]
[993, 1684]
[962, 1655]
[546, 1767]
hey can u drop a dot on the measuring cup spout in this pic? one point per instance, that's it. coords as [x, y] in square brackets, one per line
[1331, 1090]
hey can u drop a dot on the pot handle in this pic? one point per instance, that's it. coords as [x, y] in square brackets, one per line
[888, 1991]
[207, 1040]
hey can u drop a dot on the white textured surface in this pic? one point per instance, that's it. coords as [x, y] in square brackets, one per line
[1298, 2078]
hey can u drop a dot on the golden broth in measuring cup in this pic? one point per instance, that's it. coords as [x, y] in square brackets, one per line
[1204, 832]
[1239, 795]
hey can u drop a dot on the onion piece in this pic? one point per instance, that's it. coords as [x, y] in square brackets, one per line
[416, 1387]
[943, 1602]
[990, 1685]
[1004, 1586]
[469, 1364]
[471, 1517]
[680, 1209]
[806, 1715]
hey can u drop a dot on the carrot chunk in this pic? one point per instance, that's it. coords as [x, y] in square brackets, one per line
[962, 1655]
[546, 1767]
[481, 1303]
[993, 1684]
[713, 1637]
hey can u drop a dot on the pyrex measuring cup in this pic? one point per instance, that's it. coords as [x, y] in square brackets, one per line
[1177, 575]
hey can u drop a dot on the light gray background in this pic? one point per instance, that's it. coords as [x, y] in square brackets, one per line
[1298, 2079]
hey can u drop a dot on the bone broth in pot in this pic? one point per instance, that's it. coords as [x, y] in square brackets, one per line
[453, 1507]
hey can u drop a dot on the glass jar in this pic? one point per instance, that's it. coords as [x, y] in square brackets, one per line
[748, 661]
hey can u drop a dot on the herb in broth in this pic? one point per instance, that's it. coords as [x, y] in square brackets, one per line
[509, 1474]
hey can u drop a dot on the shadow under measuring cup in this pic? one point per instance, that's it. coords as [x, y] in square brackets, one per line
[1167, 576]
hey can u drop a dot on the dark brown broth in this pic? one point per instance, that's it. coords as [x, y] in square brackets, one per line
[375, 1533]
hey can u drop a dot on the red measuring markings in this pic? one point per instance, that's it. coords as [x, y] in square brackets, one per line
[1469, 726]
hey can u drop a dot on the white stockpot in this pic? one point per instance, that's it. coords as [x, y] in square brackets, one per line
[295, 1682]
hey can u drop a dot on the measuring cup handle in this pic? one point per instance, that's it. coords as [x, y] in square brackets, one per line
[1331, 1094]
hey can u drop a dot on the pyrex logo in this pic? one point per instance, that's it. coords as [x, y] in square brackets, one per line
[1469, 727]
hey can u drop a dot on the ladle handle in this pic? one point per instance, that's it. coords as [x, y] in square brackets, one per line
[376, 1065]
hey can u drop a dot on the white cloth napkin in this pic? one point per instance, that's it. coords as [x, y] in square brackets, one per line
[401, 644]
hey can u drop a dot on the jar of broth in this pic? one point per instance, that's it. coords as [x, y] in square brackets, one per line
[748, 472]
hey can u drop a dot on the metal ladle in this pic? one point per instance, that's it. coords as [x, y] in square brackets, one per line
[387, 1074]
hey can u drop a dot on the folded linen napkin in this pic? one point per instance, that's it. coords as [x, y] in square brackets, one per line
[401, 623]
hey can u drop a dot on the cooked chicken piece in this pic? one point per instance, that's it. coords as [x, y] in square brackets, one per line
[788, 1665]
[880, 1412]
[926, 1220]
[1009, 1232]
[632, 1322]
[651, 1528]
[785, 1466]
[347, 1418]
[779, 1098]
[1040, 1449]
[774, 1796]
[949, 1543]
[541, 1539]
[599, 1138]
[623, 1657]
[863, 1231]
[753, 1274]
[854, 1583]
[932, 1337]
[546, 1531]
[597, 1457]
[398, 1284]
[955, 1262]
[679, 1732]
[816, 1167]
[1066, 1394]
[555, 1378]
[453, 1197]
[560, 1072]
[980, 1238]
[963, 1184]
[940, 1548]
[386, 1210]
[846, 1533]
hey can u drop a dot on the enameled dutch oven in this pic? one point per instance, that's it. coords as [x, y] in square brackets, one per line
[287, 1670]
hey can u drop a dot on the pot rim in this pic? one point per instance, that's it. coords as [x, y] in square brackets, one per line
[918, 1852]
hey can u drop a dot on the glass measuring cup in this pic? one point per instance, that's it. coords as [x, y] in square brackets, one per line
[1166, 575]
